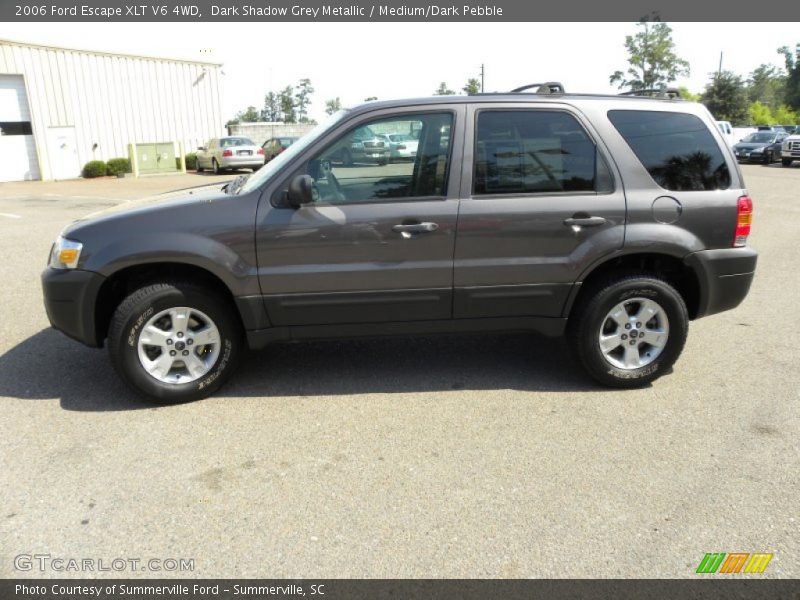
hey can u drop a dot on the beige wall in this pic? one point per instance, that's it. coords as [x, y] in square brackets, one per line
[113, 100]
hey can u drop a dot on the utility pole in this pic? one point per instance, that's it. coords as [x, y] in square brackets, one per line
[481, 78]
[719, 71]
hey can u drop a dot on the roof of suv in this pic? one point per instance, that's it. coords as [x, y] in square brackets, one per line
[570, 98]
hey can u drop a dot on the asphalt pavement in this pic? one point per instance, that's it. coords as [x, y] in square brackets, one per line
[475, 456]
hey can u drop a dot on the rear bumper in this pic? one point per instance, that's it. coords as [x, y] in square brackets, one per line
[724, 276]
[69, 299]
[242, 162]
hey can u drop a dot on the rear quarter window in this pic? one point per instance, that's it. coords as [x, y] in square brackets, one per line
[677, 149]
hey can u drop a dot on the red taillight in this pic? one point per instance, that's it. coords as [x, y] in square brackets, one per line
[227, 153]
[261, 151]
[744, 218]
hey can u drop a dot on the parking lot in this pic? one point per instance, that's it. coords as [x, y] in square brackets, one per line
[475, 456]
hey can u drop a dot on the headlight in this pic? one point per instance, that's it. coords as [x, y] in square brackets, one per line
[65, 254]
[785, 145]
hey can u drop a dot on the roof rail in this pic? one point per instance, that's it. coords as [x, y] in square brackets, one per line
[549, 87]
[664, 92]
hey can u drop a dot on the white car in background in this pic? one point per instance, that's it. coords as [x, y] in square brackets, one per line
[790, 150]
[726, 129]
[401, 145]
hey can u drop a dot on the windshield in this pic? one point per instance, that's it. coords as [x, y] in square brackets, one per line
[761, 136]
[277, 163]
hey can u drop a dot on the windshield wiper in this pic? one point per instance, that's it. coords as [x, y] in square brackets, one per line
[233, 186]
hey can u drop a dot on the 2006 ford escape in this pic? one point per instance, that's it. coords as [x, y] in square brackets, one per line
[612, 219]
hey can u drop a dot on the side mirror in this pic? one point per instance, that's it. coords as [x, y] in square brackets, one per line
[301, 191]
[201, 148]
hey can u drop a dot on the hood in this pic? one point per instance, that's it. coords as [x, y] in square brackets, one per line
[205, 193]
[751, 145]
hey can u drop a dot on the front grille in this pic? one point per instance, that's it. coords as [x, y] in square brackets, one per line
[794, 145]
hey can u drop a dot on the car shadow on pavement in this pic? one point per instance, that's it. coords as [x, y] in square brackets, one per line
[48, 365]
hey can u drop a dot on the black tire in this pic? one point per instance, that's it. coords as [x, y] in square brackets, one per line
[589, 316]
[215, 166]
[347, 158]
[197, 166]
[131, 316]
[786, 162]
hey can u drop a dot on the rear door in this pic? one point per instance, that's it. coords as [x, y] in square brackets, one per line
[377, 243]
[540, 201]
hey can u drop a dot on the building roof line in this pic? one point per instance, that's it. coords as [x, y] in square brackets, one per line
[106, 53]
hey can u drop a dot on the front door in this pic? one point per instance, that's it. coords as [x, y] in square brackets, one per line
[377, 243]
[63, 151]
[539, 204]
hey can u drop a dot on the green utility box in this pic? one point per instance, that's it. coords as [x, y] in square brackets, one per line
[155, 158]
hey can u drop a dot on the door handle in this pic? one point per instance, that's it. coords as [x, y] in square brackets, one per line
[407, 230]
[584, 221]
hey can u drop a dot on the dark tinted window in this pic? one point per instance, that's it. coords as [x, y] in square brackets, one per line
[677, 149]
[526, 151]
[15, 128]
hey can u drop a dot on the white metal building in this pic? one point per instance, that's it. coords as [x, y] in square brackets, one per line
[60, 108]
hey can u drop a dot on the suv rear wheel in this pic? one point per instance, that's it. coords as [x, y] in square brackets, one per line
[629, 330]
[174, 341]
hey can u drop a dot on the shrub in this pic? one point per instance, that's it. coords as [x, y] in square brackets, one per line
[115, 166]
[191, 162]
[94, 168]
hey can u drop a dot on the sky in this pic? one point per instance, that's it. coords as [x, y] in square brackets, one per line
[396, 60]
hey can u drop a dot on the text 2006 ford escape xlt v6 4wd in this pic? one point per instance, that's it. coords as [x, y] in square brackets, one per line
[614, 220]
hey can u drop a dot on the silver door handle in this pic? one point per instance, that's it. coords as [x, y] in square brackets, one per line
[415, 228]
[584, 221]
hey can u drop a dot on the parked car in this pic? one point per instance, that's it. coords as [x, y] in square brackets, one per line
[726, 129]
[772, 153]
[401, 146]
[761, 146]
[234, 152]
[790, 150]
[363, 146]
[274, 146]
[546, 212]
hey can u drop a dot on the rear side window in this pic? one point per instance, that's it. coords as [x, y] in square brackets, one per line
[677, 149]
[535, 151]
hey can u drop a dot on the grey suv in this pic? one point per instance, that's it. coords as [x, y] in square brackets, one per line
[613, 220]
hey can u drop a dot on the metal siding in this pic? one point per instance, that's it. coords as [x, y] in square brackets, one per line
[20, 160]
[114, 100]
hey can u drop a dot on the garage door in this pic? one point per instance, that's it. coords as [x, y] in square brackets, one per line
[17, 147]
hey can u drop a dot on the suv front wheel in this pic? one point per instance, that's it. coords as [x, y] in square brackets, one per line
[174, 341]
[628, 331]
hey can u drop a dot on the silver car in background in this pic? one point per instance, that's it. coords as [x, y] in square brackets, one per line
[233, 152]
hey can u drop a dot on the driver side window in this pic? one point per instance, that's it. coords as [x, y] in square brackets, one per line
[401, 157]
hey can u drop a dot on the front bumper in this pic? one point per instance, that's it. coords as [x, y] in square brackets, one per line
[69, 299]
[724, 276]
